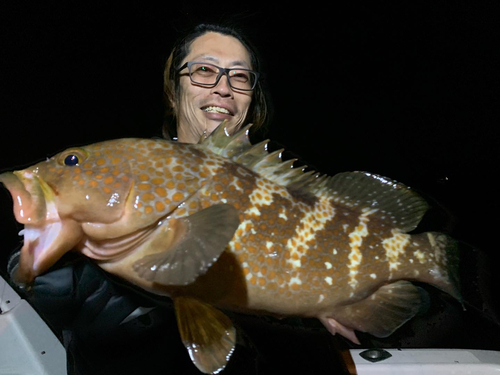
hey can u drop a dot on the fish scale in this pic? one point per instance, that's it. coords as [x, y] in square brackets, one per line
[226, 224]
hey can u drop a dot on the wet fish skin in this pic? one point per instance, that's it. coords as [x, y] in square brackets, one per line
[231, 225]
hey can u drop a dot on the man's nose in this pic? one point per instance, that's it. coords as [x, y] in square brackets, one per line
[222, 87]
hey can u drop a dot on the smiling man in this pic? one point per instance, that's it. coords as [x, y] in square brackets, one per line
[212, 76]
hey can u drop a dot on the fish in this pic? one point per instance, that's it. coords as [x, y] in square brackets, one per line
[228, 225]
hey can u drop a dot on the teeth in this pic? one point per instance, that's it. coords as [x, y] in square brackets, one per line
[216, 110]
[21, 233]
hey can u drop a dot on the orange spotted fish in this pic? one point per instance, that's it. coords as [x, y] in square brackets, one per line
[226, 224]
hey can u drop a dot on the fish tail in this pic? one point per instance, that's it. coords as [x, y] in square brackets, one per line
[440, 263]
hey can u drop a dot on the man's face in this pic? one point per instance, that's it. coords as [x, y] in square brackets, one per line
[201, 109]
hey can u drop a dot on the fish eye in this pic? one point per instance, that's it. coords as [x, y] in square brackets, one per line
[71, 160]
[72, 157]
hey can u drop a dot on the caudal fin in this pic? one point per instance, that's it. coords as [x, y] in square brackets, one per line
[438, 261]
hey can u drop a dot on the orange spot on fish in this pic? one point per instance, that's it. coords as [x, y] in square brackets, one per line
[170, 185]
[262, 281]
[100, 161]
[108, 180]
[93, 184]
[159, 206]
[107, 190]
[143, 177]
[147, 197]
[157, 181]
[160, 191]
[148, 210]
[144, 187]
[177, 197]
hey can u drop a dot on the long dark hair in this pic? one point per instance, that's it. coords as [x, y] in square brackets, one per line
[258, 113]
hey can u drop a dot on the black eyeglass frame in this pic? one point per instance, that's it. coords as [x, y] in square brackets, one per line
[221, 72]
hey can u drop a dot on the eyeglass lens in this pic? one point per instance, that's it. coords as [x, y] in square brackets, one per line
[206, 74]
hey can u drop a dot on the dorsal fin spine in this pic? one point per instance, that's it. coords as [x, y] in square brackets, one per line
[401, 206]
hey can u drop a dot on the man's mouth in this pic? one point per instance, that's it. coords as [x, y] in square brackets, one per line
[214, 109]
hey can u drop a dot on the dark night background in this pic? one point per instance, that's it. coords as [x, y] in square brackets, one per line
[409, 90]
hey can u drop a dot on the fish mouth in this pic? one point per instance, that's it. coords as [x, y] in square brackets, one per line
[46, 237]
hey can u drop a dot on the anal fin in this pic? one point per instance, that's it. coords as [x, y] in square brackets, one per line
[207, 333]
[380, 314]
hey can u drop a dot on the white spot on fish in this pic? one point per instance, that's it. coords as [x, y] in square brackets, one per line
[329, 280]
[295, 280]
[328, 265]
[420, 256]
[136, 202]
[253, 211]
[115, 199]
[345, 226]
[373, 276]
[305, 232]
[394, 247]
[431, 239]
[335, 252]
[321, 298]
[356, 240]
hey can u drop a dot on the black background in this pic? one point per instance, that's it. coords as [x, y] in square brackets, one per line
[409, 90]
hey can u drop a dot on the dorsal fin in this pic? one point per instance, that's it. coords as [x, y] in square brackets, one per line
[256, 157]
[398, 205]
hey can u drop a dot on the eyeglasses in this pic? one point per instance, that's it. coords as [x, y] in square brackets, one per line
[206, 74]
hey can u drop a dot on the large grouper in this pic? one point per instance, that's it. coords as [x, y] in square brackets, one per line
[224, 224]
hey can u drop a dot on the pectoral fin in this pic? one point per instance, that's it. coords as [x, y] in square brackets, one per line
[208, 334]
[380, 314]
[198, 242]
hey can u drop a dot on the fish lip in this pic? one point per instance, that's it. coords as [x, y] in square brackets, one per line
[22, 196]
[46, 237]
[226, 107]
